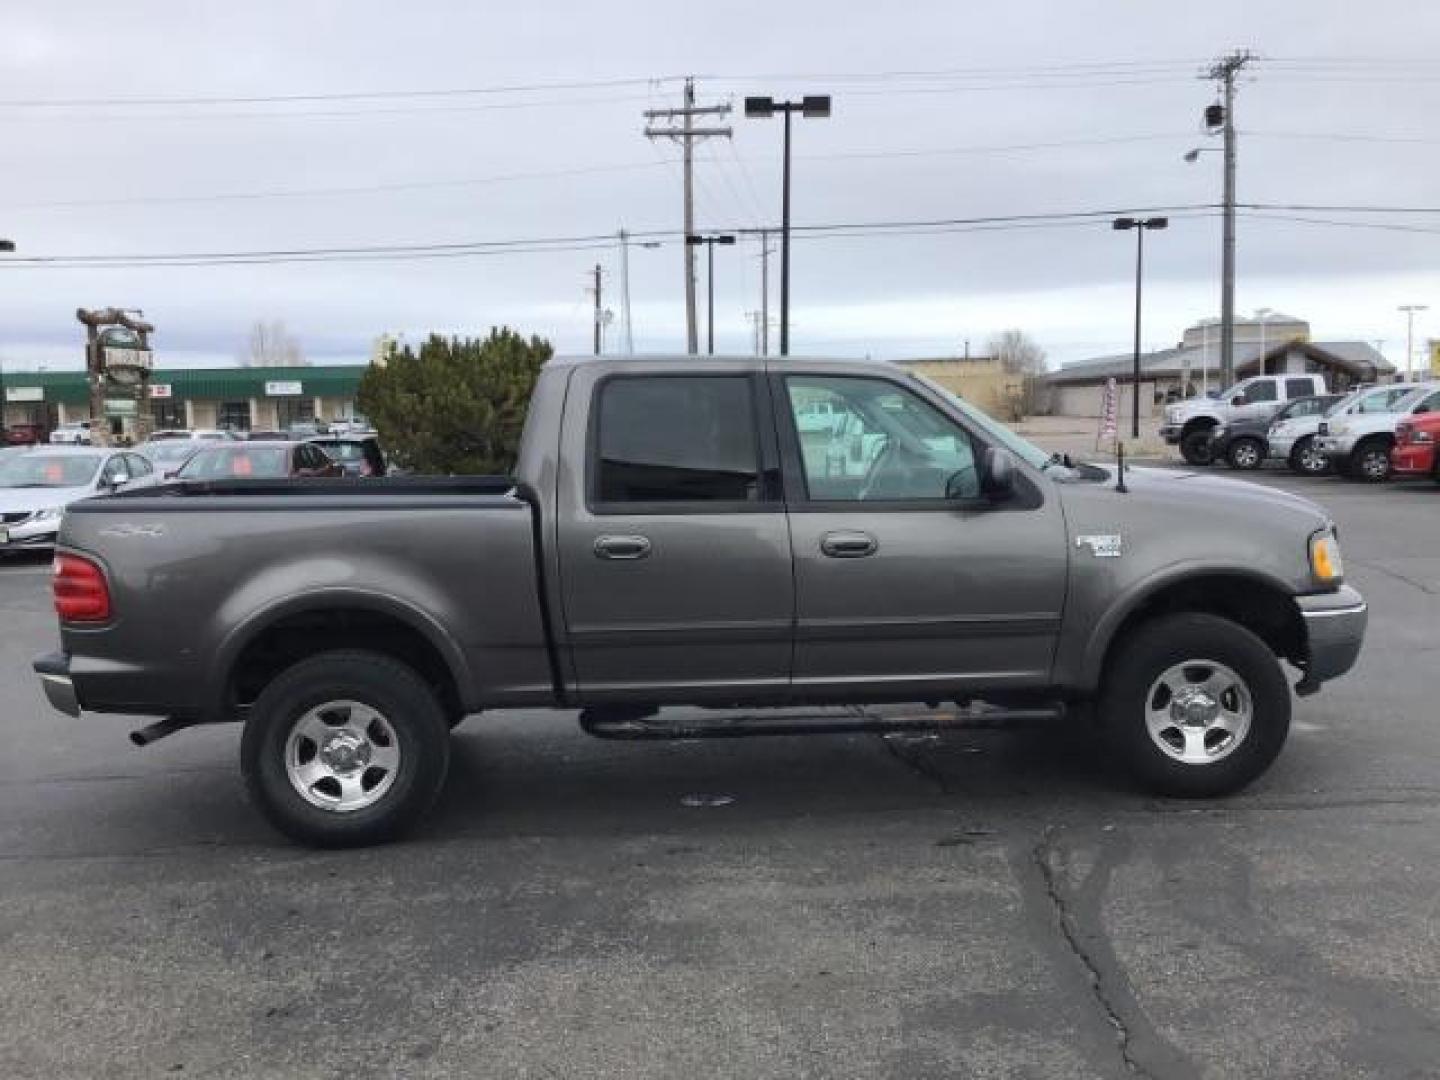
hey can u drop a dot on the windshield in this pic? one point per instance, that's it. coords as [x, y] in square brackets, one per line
[1026, 451]
[32, 470]
[166, 450]
[237, 463]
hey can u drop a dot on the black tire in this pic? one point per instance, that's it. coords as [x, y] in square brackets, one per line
[1305, 460]
[1195, 448]
[1157, 647]
[404, 702]
[1245, 454]
[1370, 462]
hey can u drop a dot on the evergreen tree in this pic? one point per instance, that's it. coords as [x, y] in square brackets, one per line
[457, 406]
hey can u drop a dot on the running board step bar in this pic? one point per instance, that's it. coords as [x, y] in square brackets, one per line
[639, 725]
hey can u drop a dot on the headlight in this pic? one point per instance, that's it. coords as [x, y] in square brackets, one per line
[1279, 427]
[53, 513]
[1325, 562]
[1338, 427]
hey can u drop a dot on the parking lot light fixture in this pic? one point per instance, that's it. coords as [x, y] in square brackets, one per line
[1124, 224]
[814, 106]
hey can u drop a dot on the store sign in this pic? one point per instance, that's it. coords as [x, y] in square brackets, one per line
[24, 393]
[284, 389]
[120, 407]
[127, 366]
[161, 390]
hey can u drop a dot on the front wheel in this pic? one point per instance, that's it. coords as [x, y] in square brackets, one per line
[344, 749]
[1370, 462]
[1195, 705]
[1195, 448]
[1307, 459]
[1246, 454]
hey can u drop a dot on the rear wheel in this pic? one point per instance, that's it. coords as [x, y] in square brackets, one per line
[1370, 461]
[344, 749]
[1195, 448]
[1195, 705]
[1246, 454]
[1306, 458]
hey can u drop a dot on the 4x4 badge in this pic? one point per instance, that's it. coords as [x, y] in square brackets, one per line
[1102, 547]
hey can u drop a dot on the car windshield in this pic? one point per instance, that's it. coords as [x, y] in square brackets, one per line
[48, 470]
[237, 463]
[1026, 451]
[167, 450]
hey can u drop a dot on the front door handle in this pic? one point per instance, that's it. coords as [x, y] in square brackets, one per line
[622, 547]
[849, 545]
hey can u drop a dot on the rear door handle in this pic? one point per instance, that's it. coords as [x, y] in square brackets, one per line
[849, 545]
[622, 547]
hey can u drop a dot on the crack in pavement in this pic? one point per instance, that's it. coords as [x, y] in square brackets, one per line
[915, 764]
[1143, 1050]
[1405, 578]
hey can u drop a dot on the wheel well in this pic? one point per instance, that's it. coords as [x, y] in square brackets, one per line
[299, 636]
[1266, 611]
[1385, 437]
[1200, 423]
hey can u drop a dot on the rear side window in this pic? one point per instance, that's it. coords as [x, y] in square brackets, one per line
[676, 439]
[1298, 388]
[1260, 391]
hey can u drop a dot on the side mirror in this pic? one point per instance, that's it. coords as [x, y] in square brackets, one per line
[118, 480]
[1238, 399]
[997, 473]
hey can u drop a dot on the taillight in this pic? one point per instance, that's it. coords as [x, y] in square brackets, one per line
[81, 592]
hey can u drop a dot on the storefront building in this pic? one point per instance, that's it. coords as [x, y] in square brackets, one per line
[242, 399]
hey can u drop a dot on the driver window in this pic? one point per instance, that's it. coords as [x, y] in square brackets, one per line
[865, 440]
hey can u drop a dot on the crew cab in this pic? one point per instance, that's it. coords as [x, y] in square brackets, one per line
[1189, 424]
[1359, 444]
[1414, 452]
[673, 535]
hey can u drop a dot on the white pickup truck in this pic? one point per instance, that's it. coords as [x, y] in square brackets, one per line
[1188, 423]
[1359, 444]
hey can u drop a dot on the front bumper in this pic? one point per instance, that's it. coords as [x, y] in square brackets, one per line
[1170, 433]
[1279, 446]
[54, 672]
[1334, 631]
[1413, 459]
[29, 535]
[1334, 446]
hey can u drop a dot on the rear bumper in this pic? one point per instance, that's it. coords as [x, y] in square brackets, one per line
[1334, 631]
[54, 672]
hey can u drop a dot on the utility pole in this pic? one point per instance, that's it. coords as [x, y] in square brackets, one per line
[599, 311]
[763, 323]
[625, 292]
[1224, 71]
[1410, 310]
[687, 135]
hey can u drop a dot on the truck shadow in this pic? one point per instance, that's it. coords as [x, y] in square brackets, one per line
[540, 775]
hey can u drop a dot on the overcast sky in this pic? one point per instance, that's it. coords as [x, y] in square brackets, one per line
[1037, 108]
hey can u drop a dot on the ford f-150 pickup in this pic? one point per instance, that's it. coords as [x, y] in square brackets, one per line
[684, 532]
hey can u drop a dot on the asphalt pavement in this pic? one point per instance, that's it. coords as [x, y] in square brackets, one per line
[978, 904]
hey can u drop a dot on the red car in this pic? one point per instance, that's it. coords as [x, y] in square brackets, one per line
[25, 434]
[1414, 453]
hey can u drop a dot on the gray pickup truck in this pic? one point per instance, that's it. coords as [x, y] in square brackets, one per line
[731, 534]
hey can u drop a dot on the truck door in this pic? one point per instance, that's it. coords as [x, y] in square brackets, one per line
[905, 577]
[673, 545]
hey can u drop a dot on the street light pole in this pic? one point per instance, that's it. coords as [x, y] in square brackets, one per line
[1139, 225]
[6, 247]
[710, 241]
[814, 106]
[1410, 310]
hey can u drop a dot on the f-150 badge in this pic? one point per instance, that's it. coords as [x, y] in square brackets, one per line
[1102, 546]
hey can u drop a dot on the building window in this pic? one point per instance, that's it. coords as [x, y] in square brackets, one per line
[168, 413]
[677, 439]
[290, 411]
[234, 415]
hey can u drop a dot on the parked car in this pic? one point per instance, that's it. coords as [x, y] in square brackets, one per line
[168, 455]
[258, 460]
[25, 435]
[1189, 424]
[1414, 453]
[37, 485]
[76, 433]
[1245, 444]
[1359, 445]
[266, 435]
[1293, 439]
[664, 541]
[358, 455]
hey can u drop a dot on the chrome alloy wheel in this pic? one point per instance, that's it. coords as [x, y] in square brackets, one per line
[1246, 455]
[1312, 459]
[1198, 712]
[342, 756]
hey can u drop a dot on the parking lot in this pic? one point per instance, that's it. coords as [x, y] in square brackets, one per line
[982, 903]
